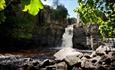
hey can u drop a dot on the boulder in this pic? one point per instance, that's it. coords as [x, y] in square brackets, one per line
[72, 59]
[61, 66]
[51, 67]
[95, 60]
[103, 50]
[87, 56]
[86, 63]
[61, 54]
[77, 68]
[45, 63]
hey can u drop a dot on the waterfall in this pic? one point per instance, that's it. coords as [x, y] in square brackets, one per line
[67, 37]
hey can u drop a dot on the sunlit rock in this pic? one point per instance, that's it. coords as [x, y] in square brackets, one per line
[61, 54]
[87, 56]
[103, 49]
[86, 63]
[95, 60]
[72, 59]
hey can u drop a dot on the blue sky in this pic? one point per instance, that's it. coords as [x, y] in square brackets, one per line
[69, 4]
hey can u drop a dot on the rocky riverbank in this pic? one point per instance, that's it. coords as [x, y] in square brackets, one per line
[103, 58]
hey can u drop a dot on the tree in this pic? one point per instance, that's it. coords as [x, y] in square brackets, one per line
[30, 6]
[11, 18]
[72, 20]
[101, 12]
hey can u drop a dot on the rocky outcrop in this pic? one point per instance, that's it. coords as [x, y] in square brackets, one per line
[49, 35]
[79, 38]
[97, 60]
[77, 61]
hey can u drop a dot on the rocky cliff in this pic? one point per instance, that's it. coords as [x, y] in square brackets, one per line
[79, 38]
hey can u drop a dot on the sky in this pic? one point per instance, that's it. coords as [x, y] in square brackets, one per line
[69, 4]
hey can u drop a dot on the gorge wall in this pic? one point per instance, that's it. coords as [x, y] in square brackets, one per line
[79, 38]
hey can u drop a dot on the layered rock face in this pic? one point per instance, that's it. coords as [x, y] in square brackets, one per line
[79, 38]
[49, 36]
[86, 38]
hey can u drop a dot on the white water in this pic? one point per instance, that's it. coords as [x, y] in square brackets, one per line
[67, 37]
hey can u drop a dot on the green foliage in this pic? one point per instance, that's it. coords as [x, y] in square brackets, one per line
[2, 7]
[2, 17]
[30, 6]
[60, 13]
[19, 24]
[34, 7]
[23, 28]
[101, 12]
[2, 4]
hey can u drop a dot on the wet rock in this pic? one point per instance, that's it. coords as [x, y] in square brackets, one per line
[72, 59]
[7, 67]
[43, 69]
[87, 56]
[113, 54]
[66, 59]
[61, 54]
[86, 63]
[102, 68]
[57, 66]
[77, 68]
[113, 63]
[103, 50]
[107, 61]
[112, 59]
[51, 67]
[61, 66]
[20, 69]
[45, 63]
[93, 54]
[95, 59]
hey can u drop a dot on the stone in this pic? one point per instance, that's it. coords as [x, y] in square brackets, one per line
[113, 54]
[103, 50]
[61, 66]
[36, 65]
[113, 63]
[43, 69]
[77, 68]
[95, 59]
[72, 59]
[93, 54]
[44, 63]
[51, 67]
[107, 61]
[86, 63]
[87, 56]
[113, 59]
[20, 69]
[61, 54]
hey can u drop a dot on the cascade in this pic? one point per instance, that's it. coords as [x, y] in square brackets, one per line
[67, 37]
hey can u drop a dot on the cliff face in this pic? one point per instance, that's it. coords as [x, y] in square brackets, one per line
[49, 36]
[79, 38]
